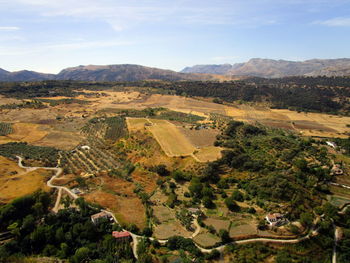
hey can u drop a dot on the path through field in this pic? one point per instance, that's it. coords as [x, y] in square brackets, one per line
[313, 232]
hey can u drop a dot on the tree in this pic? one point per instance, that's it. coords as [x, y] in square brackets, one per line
[196, 187]
[81, 255]
[161, 170]
[306, 219]
[231, 204]
[238, 196]
[67, 201]
[224, 235]
[207, 202]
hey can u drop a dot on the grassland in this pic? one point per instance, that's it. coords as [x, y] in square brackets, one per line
[16, 182]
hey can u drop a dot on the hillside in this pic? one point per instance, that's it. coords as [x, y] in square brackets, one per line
[125, 72]
[24, 75]
[269, 68]
[122, 72]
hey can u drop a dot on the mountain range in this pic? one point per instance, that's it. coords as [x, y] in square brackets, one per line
[266, 68]
[269, 68]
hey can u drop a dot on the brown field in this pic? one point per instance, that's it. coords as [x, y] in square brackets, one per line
[163, 213]
[118, 196]
[170, 138]
[4, 100]
[200, 138]
[16, 182]
[210, 153]
[217, 223]
[169, 229]
[136, 124]
[243, 230]
[308, 124]
[128, 210]
[179, 141]
[25, 132]
[317, 124]
[206, 239]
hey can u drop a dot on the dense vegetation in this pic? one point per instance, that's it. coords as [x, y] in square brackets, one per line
[158, 113]
[63, 101]
[67, 234]
[47, 155]
[33, 104]
[5, 128]
[319, 94]
[282, 167]
[344, 244]
[291, 96]
[107, 128]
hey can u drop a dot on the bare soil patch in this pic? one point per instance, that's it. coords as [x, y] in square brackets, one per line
[200, 138]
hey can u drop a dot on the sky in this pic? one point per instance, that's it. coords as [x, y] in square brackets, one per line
[49, 35]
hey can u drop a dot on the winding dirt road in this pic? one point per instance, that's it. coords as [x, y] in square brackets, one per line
[135, 237]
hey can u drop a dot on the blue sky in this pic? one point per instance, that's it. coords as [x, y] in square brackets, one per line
[49, 35]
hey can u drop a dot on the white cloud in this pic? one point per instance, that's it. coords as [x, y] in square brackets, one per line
[121, 14]
[335, 22]
[9, 28]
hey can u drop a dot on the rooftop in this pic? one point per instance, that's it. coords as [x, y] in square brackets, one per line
[121, 234]
[99, 215]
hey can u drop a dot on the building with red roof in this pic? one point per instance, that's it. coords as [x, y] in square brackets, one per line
[122, 235]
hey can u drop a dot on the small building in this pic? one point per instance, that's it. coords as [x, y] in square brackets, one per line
[331, 144]
[76, 191]
[275, 219]
[195, 211]
[97, 217]
[121, 236]
[85, 147]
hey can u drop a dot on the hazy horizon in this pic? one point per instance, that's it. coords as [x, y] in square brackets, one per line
[47, 36]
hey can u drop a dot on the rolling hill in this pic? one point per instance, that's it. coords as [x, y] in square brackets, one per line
[122, 72]
[265, 68]
[125, 72]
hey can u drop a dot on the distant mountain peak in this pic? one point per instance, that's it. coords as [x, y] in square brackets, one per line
[270, 68]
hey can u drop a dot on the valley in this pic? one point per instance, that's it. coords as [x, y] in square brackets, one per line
[180, 169]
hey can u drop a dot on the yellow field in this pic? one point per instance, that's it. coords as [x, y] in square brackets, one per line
[172, 141]
[209, 153]
[310, 124]
[307, 124]
[136, 124]
[178, 141]
[24, 132]
[16, 182]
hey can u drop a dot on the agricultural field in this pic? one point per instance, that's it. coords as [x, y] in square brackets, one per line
[172, 141]
[150, 159]
[16, 182]
[167, 224]
[176, 140]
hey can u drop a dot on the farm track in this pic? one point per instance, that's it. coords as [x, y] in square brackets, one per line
[313, 232]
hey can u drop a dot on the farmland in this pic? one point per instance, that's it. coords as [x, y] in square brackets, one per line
[16, 182]
[152, 159]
